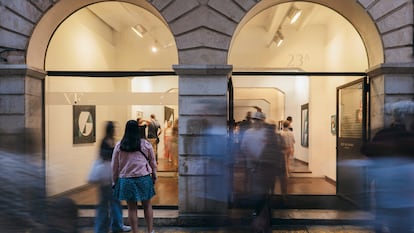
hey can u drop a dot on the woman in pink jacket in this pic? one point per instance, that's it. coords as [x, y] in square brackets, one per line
[134, 172]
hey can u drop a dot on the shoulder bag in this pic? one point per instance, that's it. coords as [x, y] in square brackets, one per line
[100, 173]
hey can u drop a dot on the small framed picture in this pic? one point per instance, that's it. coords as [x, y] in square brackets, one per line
[84, 124]
[333, 124]
[304, 125]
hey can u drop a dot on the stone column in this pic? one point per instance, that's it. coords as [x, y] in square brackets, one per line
[389, 83]
[22, 109]
[22, 130]
[203, 185]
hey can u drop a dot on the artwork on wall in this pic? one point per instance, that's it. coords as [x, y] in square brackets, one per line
[139, 114]
[304, 125]
[168, 115]
[333, 124]
[84, 124]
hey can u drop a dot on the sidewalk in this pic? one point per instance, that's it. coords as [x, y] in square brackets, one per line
[285, 221]
[278, 229]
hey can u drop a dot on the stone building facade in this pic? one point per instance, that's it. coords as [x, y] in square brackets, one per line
[203, 30]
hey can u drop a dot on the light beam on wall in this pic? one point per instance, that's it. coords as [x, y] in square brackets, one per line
[278, 38]
[139, 30]
[294, 14]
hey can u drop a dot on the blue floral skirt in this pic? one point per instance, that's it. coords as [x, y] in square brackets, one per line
[134, 189]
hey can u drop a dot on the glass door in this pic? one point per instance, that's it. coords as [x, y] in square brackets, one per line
[351, 133]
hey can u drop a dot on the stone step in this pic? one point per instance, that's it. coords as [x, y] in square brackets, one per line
[171, 217]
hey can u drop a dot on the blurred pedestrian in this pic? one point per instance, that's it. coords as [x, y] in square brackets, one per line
[23, 201]
[109, 209]
[290, 120]
[154, 132]
[142, 124]
[174, 145]
[244, 125]
[288, 144]
[168, 134]
[264, 161]
[134, 171]
[392, 170]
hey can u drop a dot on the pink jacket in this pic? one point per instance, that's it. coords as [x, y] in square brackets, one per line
[133, 164]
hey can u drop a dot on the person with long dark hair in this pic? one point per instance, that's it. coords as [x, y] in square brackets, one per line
[134, 172]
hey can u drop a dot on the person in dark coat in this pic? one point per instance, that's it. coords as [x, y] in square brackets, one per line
[264, 162]
[391, 168]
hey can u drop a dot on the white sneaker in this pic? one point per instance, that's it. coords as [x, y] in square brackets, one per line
[126, 228]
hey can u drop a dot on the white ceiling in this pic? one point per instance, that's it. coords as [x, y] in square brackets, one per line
[321, 40]
[120, 15]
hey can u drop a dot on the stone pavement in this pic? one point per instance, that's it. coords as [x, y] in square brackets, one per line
[277, 229]
[285, 221]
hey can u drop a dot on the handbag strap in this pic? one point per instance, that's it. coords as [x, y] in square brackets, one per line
[146, 157]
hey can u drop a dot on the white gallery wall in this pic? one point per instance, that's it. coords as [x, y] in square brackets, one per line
[84, 42]
[81, 43]
[115, 99]
[67, 164]
[344, 51]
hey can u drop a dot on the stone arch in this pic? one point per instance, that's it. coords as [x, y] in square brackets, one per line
[43, 32]
[350, 10]
[206, 37]
[204, 29]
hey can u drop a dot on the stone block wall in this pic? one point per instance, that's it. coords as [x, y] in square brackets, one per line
[21, 108]
[204, 28]
[203, 154]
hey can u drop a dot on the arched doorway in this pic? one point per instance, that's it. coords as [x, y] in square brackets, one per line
[325, 51]
[112, 59]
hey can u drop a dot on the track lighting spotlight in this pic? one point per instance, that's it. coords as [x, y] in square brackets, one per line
[278, 38]
[294, 14]
[139, 30]
[155, 46]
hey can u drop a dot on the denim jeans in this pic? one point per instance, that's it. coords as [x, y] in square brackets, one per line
[108, 211]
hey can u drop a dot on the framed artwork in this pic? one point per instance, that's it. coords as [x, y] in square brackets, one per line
[139, 114]
[168, 115]
[304, 125]
[333, 124]
[84, 124]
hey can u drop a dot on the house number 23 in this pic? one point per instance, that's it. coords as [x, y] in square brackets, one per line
[298, 60]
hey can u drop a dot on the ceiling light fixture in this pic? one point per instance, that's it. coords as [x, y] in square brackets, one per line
[139, 30]
[294, 14]
[278, 38]
[155, 47]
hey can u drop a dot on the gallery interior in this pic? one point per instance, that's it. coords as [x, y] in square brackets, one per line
[285, 67]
